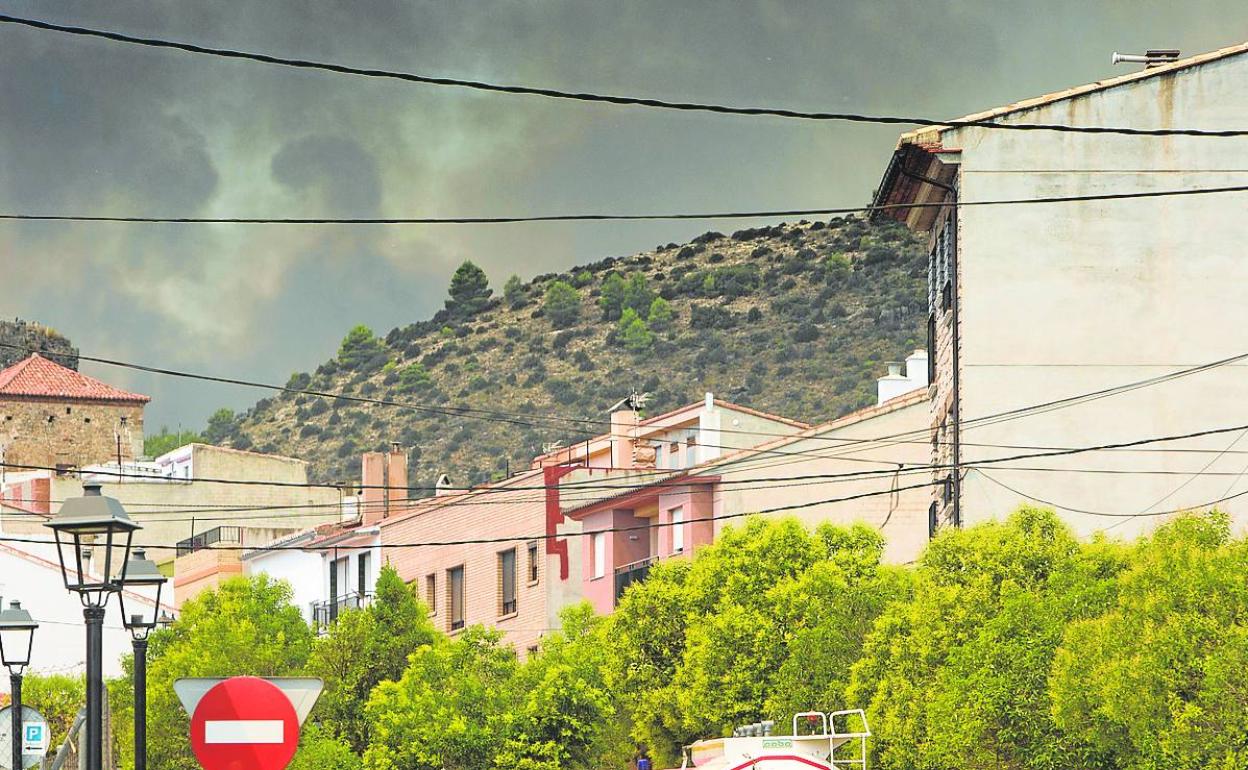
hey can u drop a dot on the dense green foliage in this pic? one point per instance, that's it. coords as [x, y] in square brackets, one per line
[1008, 645]
[470, 290]
[157, 444]
[57, 697]
[796, 319]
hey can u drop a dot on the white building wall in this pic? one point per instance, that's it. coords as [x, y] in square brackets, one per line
[32, 575]
[300, 569]
[1068, 298]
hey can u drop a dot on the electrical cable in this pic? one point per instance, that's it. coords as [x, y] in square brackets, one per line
[542, 536]
[1109, 514]
[632, 101]
[495, 220]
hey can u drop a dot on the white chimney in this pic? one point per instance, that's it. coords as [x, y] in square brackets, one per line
[916, 368]
[710, 439]
[895, 383]
[443, 486]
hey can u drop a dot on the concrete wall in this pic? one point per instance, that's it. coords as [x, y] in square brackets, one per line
[1063, 299]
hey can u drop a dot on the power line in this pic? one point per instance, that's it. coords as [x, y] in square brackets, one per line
[631, 101]
[1108, 514]
[495, 220]
[542, 536]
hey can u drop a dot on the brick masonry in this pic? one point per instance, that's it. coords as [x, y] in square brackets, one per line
[51, 432]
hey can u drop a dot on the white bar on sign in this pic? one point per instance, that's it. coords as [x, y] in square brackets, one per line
[244, 731]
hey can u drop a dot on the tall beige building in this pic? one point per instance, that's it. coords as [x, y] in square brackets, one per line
[1035, 305]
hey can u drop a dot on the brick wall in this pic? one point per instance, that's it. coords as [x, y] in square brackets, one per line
[46, 432]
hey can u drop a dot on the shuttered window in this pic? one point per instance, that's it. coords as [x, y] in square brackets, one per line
[507, 582]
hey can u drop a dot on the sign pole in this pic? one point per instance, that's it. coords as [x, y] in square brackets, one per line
[15, 709]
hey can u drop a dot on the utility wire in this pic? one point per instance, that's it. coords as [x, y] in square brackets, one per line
[632, 101]
[28, 217]
[533, 537]
[1108, 514]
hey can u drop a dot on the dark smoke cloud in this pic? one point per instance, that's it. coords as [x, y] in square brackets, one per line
[93, 127]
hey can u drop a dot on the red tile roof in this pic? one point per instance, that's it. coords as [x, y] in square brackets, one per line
[37, 377]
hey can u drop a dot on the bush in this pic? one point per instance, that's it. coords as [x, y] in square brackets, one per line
[806, 332]
[660, 315]
[299, 381]
[633, 332]
[562, 304]
[414, 377]
[711, 317]
[754, 316]
[611, 298]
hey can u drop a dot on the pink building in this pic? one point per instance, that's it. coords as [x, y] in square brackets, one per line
[871, 456]
[520, 582]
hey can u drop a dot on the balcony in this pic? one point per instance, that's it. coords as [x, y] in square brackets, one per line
[628, 574]
[209, 538]
[324, 613]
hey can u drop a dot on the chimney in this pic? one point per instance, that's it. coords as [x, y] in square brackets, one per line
[372, 481]
[916, 368]
[396, 478]
[893, 384]
[624, 422]
[443, 486]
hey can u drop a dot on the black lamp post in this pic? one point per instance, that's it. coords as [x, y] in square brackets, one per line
[144, 580]
[17, 640]
[93, 520]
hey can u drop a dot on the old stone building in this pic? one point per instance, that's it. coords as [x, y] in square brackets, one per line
[53, 416]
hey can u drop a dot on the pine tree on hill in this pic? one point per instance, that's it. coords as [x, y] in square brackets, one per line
[470, 290]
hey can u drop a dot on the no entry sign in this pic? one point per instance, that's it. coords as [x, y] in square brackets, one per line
[246, 723]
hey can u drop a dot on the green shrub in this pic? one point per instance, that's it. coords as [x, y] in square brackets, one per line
[562, 304]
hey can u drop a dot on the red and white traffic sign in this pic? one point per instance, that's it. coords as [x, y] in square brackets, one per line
[243, 723]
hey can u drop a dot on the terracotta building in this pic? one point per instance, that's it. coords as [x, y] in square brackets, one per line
[53, 416]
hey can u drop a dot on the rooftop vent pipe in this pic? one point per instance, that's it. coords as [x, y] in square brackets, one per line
[1151, 58]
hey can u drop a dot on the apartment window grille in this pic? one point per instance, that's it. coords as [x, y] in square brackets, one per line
[431, 592]
[507, 582]
[534, 562]
[678, 530]
[455, 597]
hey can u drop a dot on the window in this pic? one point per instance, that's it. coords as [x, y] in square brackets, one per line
[534, 564]
[507, 582]
[431, 592]
[678, 530]
[455, 597]
[691, 451]
[599, 541]
[673, 455]
[361, 569]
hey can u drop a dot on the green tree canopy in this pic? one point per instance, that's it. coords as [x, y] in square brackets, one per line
[611, 297]
[364, 648]
[360, 349]
[470, 290]
[562, 304]
[660, 315]
[634, 333]
[157, 444]
[637, 294]
[513, 290]
[220, 426]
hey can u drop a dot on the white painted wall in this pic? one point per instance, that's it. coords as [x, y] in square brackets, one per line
[1068, 298]
[300, 569]
[30, 574]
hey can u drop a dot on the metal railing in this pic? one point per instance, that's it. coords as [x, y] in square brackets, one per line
[327, 611]
[628, 574]
[209, 538]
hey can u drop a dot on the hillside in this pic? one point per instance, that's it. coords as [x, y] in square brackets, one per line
[794, 319]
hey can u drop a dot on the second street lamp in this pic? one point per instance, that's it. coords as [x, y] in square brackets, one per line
[144, 582]
[93, 520]
[17, 641]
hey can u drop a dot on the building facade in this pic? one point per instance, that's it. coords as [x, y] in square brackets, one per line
[1076, 324]
[840, 472]
[54, 417]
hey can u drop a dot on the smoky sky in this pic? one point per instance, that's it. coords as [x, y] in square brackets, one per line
[92, 127]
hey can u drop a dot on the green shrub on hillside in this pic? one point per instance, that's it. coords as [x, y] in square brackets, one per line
[562, 304]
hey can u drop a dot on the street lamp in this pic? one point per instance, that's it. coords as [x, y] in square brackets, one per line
[17, 640]
[84, 522]
[143, 578]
